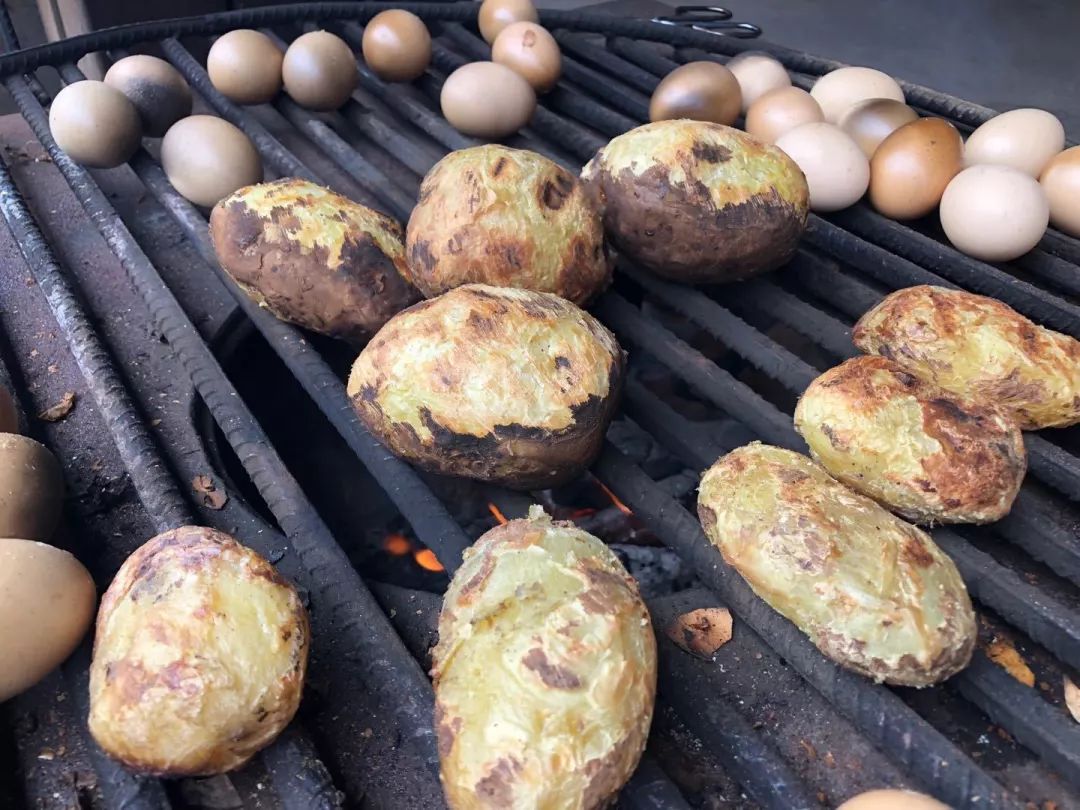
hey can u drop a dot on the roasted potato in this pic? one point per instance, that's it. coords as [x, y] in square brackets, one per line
[199, 657]
[910, 445]
[979, 349]
[699, 202]
[545, 671]
[509, 218]
[874, 593]
[313, 257]
[507, 386]
[31, 489]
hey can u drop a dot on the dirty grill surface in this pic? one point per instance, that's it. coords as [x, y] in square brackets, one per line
[111, 290]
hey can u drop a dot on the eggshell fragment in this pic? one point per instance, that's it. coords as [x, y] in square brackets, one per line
[1023, 139]
[912, 167]
[780, 111]
[994, 213]
[1061, 182]
[839, 90]
[836, 169]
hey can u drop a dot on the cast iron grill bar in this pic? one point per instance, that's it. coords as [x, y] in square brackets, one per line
[650, 789]
[338, 594]
[830, 283]
[635, 77]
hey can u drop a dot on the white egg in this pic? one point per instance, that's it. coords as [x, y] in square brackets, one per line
[836, 169]
[892, 800]
[844, 87]
[994, 213]
[757, 74]
[1023, 139]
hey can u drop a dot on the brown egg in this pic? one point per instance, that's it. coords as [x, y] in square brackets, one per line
[780, 111]
[206, 158]
[872, 121]
[702, 91]
[245, 66]
[892, 800]
[495, 15]
[530, 51]
[1061, 182]
[912, 167]
[397, 46]
[9, 414]
[95, 124]
[155, 87]
[319, 71]
[31, 489]
[487, 100]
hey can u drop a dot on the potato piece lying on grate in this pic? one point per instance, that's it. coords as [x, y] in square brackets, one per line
[199, 657]
[545, 671]
[979, 349]
[509, 218]
[910, 445]
[874, 593]
[502, 385]
[313, 257]
[699, 202]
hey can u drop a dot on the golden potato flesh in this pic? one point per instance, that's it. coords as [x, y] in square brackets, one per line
[509, 218]
[502, 385]
[545, 671]
[699, 202]
[980, 350]
[31, 489]
[199, 657]
[910, 445]
[874, 593]
[313, 257]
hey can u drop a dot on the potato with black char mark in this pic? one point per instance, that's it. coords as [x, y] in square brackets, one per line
[699, 202]
[980, 350]
[911, 446]
[875, 594]
[509, 218]
[199, 657]
[507, 386]
[313, 257]
[545, 671]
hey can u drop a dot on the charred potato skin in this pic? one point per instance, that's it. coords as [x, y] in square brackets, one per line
[508, 218]
[312, 257]
[699, 202]
[512, 349]
[875, 594]
[910, 445]
[541, 629]
[172, 691]
[980, 350]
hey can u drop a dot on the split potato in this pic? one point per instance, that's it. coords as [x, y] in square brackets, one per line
[31, 489]
[910, 445]
[199, 658]
[503, 385]
[979, 349]
[508, 218]
[875, 594]
[699, 202]
[545, 671]
[313, 257]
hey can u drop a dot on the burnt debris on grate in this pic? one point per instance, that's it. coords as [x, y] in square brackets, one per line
[711, 369]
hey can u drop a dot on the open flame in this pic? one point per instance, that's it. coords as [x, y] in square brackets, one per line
[397, 544]
[427, 560]
[495, 513]
[622, 507]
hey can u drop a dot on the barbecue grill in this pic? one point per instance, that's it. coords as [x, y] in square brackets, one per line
[181, 379]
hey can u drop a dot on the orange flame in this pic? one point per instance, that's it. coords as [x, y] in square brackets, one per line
[580, 513]
[397, 544]
[622, 507]
[427, 560]
[499, 516]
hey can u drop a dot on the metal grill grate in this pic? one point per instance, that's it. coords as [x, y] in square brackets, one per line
[847, 263]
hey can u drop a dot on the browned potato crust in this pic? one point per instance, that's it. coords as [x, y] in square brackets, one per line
[979, 349]
[910, 445]
[509, 218]
[313, 257]
[498, 384]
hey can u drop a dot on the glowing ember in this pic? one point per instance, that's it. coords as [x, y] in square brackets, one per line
[397, 545]
[622, 507]
[580, 513]
[497, 514]
[427, 560]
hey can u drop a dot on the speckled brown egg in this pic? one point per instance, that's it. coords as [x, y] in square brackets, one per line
[872, 121]
[780, 111]
[1061, 182]
[397, 45]
[95, 124]
[206, 158]
[913, 166]
[319, 71]
[529, 50]
[487, 100]
[700, 91]
[495, 15]
[155, 87]
[757, 74]
[245, 66]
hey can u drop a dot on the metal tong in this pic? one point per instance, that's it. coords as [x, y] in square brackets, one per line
[711, 20]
